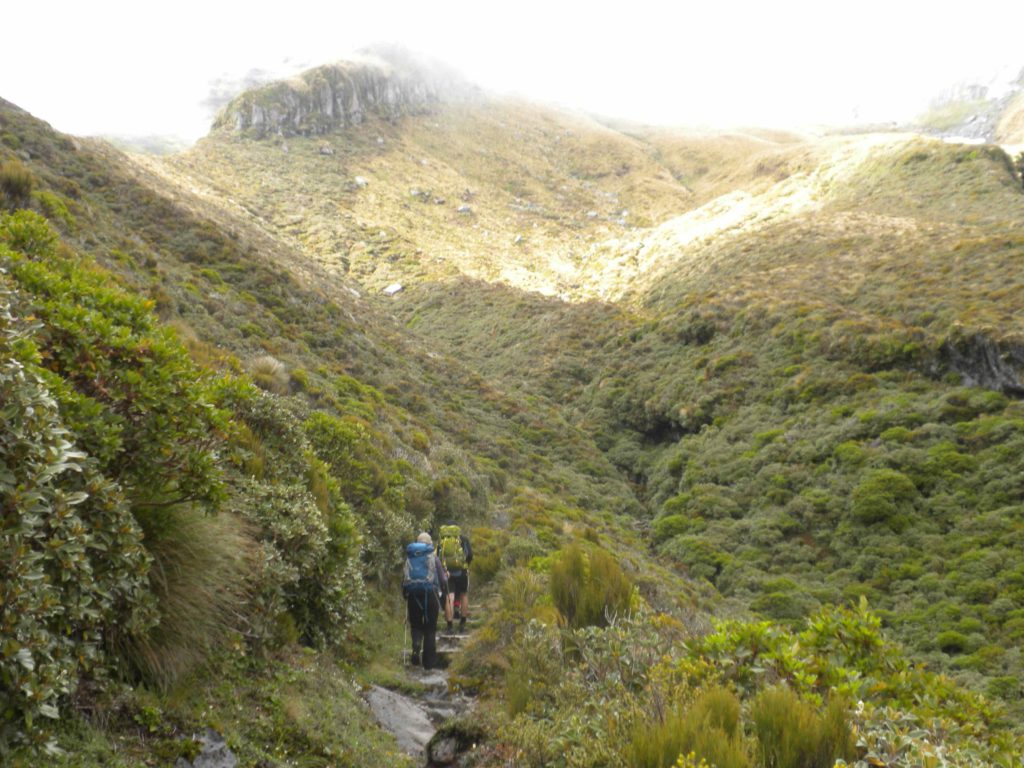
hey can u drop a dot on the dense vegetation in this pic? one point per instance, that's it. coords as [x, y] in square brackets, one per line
[808, 442]
[246, 501]
[214, 445]
[644, 688]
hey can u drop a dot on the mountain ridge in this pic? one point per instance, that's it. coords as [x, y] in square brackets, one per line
[383, 82]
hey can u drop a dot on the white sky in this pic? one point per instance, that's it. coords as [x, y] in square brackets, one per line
[129, 68]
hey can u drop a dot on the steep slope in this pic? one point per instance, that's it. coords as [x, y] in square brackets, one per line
[367, 436]
[762, 287]
[790, 367]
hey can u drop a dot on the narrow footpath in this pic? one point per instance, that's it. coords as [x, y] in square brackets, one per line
[415, 718]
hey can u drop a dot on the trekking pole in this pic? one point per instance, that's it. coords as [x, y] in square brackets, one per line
[405, 637]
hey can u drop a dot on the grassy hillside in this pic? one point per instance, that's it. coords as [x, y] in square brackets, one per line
[765, 286]
[358, 438]
[780, 369]
[789, 398]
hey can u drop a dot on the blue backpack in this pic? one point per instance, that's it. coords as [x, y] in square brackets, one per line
[420, 575]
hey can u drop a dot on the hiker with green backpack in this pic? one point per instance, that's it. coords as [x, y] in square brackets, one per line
[424, 580]
[456, 555]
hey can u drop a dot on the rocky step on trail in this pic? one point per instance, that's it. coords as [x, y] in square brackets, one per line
[414, 718]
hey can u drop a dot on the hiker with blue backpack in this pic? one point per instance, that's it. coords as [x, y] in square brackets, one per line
[423, 582]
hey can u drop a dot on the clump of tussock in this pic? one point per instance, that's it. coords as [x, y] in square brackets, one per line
[270, 374]
[201, 565]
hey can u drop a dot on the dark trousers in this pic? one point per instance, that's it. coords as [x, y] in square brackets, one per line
[423, 609]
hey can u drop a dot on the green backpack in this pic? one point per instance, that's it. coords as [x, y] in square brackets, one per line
[452, 554]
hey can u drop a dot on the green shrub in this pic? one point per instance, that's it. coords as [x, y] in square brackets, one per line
[307, 560]
[881, 495]
[792, 734]
[54, 207]
[72, 566]
[589, 588]
[535, 666]
[702, 558]
[369, 483]
[952, 641]
[668, 527]
[28, 234]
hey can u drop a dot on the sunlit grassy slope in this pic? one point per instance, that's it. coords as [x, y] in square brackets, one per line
[766, 334]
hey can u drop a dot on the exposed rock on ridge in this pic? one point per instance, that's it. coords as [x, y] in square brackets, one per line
[341, 95]
[984, 362]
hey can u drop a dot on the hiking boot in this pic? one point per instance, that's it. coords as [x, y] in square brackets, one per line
[415, 659]
[449, 626]
[462, 624]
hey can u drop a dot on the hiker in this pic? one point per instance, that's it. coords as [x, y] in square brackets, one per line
[423, 582]
[456, 555]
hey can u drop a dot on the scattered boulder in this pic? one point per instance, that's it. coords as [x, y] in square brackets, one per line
[326, 149]
[393, 289]
[439, 201]
[360, 182]
[443, 751]
[455, 742]
[591, 214]
[464, 209]
[215, 753]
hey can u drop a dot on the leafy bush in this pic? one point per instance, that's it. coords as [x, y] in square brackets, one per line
[54, 207]
[952, 641]
[368, 481]
[126, 386]
[302, 568]
[589, 588]
[72, 566]
[881, 494]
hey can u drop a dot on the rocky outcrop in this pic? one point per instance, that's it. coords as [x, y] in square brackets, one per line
[984, 362]
[341, 95]
[978, 113]
[214, 753]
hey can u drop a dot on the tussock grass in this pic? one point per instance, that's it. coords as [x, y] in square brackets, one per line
[710, 728]
[270, 374]
[201, 567]
[792, 734]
